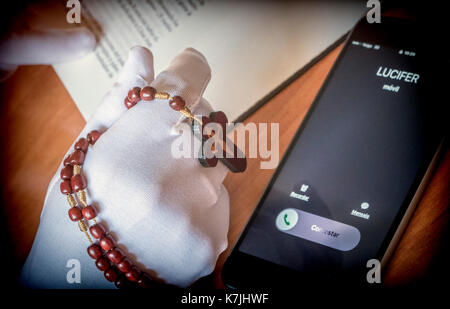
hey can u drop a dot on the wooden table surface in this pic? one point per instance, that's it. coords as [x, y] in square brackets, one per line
[39, 121]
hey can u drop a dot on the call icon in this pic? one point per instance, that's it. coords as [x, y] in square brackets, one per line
[286, 219]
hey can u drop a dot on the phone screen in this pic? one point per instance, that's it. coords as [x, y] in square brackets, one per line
[352, 169]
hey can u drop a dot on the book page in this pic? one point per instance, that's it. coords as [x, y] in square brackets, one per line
[252, 47]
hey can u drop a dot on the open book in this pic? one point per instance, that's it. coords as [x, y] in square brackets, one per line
[253, 47]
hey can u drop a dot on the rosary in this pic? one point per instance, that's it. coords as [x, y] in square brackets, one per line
[109, 259]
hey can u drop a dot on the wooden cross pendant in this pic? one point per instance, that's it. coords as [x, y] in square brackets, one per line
[236, 161]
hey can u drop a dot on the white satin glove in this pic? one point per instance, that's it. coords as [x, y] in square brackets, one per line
[31, 42]
[168, 215]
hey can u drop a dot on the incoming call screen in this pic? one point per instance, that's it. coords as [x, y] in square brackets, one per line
[349, 172]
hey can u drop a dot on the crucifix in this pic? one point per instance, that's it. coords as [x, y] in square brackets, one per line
[221, 147]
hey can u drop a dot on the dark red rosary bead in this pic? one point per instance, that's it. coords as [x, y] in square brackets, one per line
[67, 160]
[94, 251]
[122, 282]
[110, 274]
[114, 255]
[133, 274]
[93, 136]
[75, 214]
[128, 104]
[134, 95]
[148, 93]
[97, 230]
[124, 265]
[77, 157]
[66, 187]
[78, 182]
[145, 281]
[102, 263]
[82, 144]
[177, 103]
[66, 172]
[89, 212]
[106, 243]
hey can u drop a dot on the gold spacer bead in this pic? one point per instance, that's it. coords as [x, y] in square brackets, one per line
[82, 226]
[76, 169]
[187, 113]
[71, 200]
[162, 95]
[82, 197]
[89, 238]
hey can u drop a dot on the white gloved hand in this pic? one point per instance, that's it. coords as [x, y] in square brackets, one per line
[31, 43]
[169, 215]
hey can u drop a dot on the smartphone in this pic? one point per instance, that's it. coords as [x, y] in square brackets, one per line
[354, 172]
